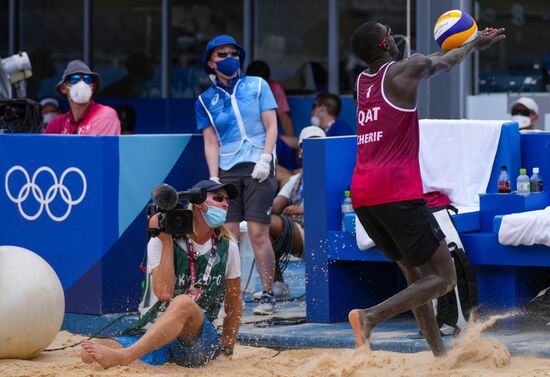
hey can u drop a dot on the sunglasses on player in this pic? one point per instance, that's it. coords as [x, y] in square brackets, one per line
[388, 34]
[75, 79]
[219, 197]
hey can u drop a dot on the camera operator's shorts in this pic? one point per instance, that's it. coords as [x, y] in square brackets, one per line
[254, 199]
[204, 350]
[404, 229]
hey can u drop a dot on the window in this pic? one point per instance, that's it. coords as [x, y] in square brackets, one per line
[50, 31]
[354, 13]
[126, 47]
[520, 62]
[194, 22]
[296, 49]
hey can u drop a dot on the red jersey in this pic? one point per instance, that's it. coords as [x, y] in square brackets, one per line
[387, 168]
[95, 120]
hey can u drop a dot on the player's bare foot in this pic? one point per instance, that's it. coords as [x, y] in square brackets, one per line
[362, 327]
[105, 356]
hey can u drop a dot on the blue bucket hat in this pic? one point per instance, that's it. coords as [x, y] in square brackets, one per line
[220, 40]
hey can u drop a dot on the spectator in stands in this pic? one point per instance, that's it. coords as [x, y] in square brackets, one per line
[238, 120]
[525, 111]
[140, 70]
[183, 298]
[287, 221]
[127, 116]
[287, 143]
[261, 69]
[324, 114]
[386, 186]
[50, 109]
[85, 116]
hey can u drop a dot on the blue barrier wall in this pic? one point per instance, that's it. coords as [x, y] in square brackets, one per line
[79, 202]
[157, 116]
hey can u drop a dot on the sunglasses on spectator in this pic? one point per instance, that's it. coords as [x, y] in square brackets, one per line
[75, 79]
[219, 198]
[521, 111]
[225, 54]
[388, 34]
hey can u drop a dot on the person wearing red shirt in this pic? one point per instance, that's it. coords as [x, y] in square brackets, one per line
[386, 185]
[85, 116]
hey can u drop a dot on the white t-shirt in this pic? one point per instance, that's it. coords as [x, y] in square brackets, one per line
[154, 251]
[232, 269]
[286, 190]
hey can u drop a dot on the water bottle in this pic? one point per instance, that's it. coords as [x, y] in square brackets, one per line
[523, 182]
[503, 180]
[536, 181]
[347, 213]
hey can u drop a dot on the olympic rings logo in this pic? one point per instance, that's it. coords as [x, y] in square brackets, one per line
[44, 200]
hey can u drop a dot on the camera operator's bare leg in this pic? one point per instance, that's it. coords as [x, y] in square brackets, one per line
[430, 280]
[183, 319]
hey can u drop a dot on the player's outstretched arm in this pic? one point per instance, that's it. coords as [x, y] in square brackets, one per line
[421, 66]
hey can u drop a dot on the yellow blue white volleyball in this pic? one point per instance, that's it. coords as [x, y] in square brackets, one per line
[454, 28]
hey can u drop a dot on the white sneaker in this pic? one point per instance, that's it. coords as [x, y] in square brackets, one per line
[281, 291]
[266, 305]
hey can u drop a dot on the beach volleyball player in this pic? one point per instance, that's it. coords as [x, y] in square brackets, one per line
[386, 185]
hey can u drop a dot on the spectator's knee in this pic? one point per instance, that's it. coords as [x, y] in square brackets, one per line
[181, 303]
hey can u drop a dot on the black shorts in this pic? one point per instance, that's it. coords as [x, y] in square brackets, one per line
[255, 199]
[405, 229]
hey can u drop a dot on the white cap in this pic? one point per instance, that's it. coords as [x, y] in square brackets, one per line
[310, 132]
[535, 170]
[49, 100]
[528, 103]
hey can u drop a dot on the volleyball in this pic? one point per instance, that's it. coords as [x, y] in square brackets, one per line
[33, 303]
[454, 28]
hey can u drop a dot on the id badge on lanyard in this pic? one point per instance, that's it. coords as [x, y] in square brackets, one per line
[194, 289]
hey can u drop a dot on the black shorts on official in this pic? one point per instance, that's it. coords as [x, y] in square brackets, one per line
[404, 229]
[255, 198]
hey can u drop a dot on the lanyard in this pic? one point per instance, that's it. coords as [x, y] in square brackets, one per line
[192, 256]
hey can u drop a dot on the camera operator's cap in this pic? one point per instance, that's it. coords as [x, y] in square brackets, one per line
[311, 132]
[529, 103]
[78, 66]
[210, 186]
[217, 41]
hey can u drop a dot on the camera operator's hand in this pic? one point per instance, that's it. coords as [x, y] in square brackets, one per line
[155, 223]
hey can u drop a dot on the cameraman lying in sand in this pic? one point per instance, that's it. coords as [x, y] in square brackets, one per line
[183, 294]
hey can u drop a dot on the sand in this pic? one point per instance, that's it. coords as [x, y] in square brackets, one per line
[471, 355]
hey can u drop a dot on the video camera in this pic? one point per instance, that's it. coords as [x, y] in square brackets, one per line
[174, 218]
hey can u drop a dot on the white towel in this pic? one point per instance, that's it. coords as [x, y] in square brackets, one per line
[364, 242]
[525, 228]
[456, 157]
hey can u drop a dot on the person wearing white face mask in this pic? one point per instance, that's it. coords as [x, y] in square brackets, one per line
[85, 117]
[238, 120]
[50, 109]
[525, 111]
[324, 114]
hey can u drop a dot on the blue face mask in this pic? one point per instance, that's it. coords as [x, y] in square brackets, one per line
[215, 216]
[228, 67]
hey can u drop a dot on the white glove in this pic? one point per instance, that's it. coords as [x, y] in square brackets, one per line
[215, 179]
[262, 168]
